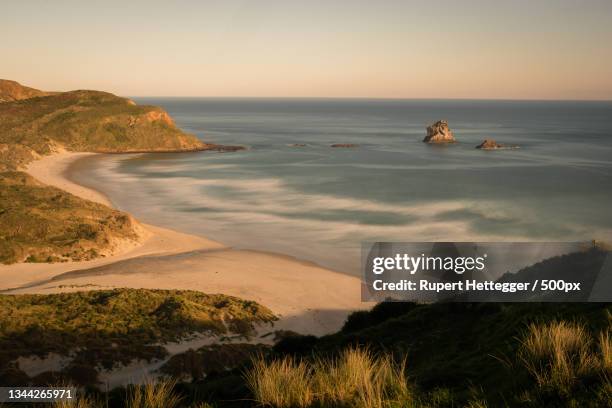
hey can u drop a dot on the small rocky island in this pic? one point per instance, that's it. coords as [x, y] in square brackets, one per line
[490, 144]
[439, 132]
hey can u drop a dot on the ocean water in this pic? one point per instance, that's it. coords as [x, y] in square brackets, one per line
[319, 203]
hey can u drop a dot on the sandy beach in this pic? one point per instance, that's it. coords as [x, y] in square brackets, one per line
[308, 299]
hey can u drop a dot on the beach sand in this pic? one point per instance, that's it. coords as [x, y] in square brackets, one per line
[308, 299]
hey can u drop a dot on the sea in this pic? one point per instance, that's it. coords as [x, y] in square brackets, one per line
[290, 192]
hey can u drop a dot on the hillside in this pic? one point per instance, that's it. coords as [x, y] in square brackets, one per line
[43, 224]
[86, 121]
[39, 223]
[105, 328]
[472, 355]
[14, 91]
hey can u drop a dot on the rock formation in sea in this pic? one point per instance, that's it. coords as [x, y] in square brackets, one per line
[344, 145]
[490, 144]
[439, 132]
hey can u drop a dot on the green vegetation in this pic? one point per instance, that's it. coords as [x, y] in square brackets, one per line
[102, 328]
[442, 355]
[556, 364]
[39, 223]
[544, 363]
[513, 354]
[547, 355]
[86, 121]
[43, 224]
[211, 360]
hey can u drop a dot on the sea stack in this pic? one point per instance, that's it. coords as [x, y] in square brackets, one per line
[439, 132]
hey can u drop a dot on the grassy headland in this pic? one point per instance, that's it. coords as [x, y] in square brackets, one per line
[43, 224]
[85, 121]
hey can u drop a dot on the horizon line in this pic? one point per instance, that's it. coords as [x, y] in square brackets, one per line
[373, 98]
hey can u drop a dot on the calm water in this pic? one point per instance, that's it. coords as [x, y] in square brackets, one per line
[319, 203]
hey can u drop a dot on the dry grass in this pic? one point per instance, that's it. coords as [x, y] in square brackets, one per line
[559, 354]
[282, 383]
[476, 403]
[357, 378]
[153, 394]
[605, 347]
[78, 402]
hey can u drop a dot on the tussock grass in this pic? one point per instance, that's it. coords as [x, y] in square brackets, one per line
[153, 394]
[605, 347]
[559, 354]
[477, 403]
[284, 383]
[357, 378]
[79, 402]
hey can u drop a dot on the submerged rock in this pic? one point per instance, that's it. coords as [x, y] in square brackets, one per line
[439, 132]
[344, 145]
[224, 148]
[490, 144]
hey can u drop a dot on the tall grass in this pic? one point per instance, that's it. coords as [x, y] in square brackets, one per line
[559, 354]
[285, 383]
[78, 402]
[605, 347]
[153, 394]
[357, 378]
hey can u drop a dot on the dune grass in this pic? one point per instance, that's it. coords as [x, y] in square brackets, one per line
[605, 347]
[360, 378]
[568, 364]
[40, 223]
[357, 378]
[558, 354]
[283, 383]
[566, 361]
[106, 327]
[79, 402]
[153, 394]
[559, 363]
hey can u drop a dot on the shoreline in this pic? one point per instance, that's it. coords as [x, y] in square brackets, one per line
[308, 298]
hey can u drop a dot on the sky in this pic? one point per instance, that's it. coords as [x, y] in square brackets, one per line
[547, 49]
